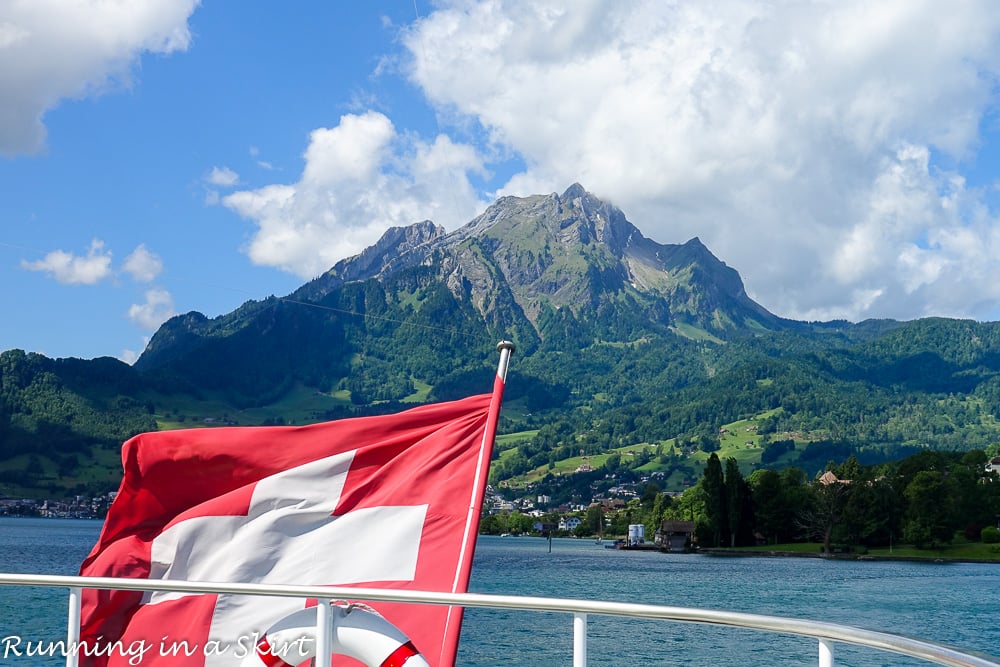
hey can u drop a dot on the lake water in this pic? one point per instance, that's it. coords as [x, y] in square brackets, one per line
[957, 604]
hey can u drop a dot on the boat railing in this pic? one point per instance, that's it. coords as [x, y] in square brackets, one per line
[827, 634]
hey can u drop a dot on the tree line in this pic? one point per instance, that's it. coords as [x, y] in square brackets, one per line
[923, 500]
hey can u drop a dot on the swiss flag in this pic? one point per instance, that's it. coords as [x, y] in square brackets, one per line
[389, 501]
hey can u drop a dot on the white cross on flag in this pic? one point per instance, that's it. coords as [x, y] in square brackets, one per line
[390, 501]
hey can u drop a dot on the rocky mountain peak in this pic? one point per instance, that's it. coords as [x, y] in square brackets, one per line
[575, 191]
[525, 264]
[594, 220]
[575, 250]
[395, 243]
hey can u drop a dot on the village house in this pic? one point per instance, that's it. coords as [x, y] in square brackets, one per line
[828, 478]
[674, 535]
[569, 523]
[545, 527]
[994, 465]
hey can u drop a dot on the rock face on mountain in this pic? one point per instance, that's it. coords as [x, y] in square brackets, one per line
[534, 268]
[561, 251]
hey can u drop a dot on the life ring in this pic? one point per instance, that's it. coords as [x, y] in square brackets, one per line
[358, 631]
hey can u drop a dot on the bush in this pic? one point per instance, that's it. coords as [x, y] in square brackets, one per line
[990, 535]
[973, 531]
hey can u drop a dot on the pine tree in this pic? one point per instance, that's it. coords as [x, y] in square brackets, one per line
[735, 493]
[714, 490]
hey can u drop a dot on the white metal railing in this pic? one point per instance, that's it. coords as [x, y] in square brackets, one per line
[826, 633]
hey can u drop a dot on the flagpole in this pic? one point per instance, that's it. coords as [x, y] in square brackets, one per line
[506, 348]
[461, 582]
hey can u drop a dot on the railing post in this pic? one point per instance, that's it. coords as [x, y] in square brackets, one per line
[73, 627]
[579, 640]
[324, 631]
[825, 653]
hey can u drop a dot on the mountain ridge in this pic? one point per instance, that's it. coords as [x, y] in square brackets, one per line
[620, 340]
[547, 252]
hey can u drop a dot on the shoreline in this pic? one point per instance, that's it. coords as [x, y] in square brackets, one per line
[938, 560]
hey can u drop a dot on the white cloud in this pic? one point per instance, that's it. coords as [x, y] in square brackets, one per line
[360, 178]
[71, 269]
[158, 308]
[143, 265]
[51, 50]
[223, 177]
[800, 141]
[129, 356]
[263, 164]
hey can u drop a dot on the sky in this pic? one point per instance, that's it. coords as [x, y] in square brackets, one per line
[170, 156]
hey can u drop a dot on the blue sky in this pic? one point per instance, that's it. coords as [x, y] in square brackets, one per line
[181, 156]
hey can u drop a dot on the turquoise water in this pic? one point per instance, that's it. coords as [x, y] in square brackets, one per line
[957, 604]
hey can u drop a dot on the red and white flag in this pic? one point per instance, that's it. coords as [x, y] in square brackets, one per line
[389, 502]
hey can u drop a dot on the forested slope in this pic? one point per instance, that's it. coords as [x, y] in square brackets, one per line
[621, 342]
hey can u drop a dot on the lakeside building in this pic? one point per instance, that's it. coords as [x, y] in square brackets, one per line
[674, 535]
[79, 507]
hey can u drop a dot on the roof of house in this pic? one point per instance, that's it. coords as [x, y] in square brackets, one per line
[677, 526]
[829, 478]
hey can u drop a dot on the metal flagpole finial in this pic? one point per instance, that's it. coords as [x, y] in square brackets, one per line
[505, 348]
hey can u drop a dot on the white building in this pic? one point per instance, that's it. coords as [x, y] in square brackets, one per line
[569, 523]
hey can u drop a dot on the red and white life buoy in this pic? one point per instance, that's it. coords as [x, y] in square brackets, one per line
[357, 632]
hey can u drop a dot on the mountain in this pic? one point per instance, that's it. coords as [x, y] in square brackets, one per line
[628, 351]
[562, 251]
[529, 267]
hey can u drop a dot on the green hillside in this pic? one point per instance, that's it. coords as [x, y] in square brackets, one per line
[646, 356]
[660, 404]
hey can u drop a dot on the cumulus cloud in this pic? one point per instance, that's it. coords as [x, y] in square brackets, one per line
[143, 265]
[223, 177]
[816, 147]
[360, 178]
[157, 309]
[51, 50]
[71, 269]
